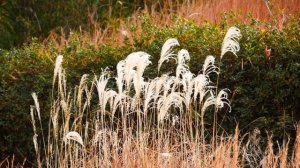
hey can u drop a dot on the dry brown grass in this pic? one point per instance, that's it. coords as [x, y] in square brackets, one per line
[162, 14]
[263, 10]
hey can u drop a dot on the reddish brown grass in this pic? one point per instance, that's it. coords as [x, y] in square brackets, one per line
[263, 10]
[162, 14]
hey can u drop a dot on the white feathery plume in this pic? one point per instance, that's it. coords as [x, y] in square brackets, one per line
[138, 60]
[211, 100]
[181, 69]
[159, 84]
[142, 62]
[188, 85]
[54, 117]
[183, 76]
[36, 104]
[175, 119]
[82, 84]
[57, 69]
[230, 42]
[164, 103]
[129, 77]
[101, 89]
[166, 51]
[62, 82]
[33, 118]
[118, 101]
[141, 66]
[145, 84]
[109, 95]
[73, 135]
[88, 92]
[149, 94]
[222, 99]
[187, 81]
[201, 86]
[120, 75]
[167, 85]
[138, 84]
[183, 56]
[36, 147]
[134, 104]
[209, 65]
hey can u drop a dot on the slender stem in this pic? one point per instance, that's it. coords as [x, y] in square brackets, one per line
[216, 110]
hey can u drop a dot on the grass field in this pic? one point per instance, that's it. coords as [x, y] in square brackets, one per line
[150, 123]
[122, 118]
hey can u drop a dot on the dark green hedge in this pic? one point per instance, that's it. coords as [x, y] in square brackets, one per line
[265, 93]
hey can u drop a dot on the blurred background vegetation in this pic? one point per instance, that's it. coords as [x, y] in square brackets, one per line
[23, 19]
[93, 34]
[20, 20]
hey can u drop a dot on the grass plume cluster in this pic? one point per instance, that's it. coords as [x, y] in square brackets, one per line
[128, 121]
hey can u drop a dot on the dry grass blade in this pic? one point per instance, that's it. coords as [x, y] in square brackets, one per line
[209, 65]
[183, 56]
[75, 136]
[57, 68]
[36, 104]
[164, 103]
[222, 100]
[166, 51]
